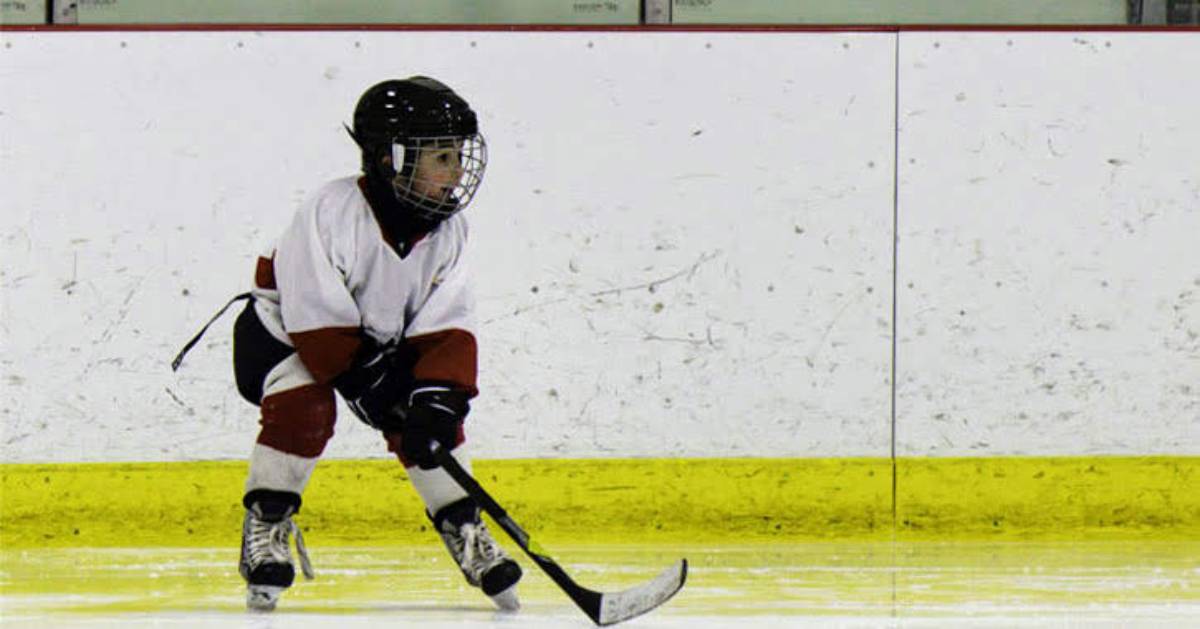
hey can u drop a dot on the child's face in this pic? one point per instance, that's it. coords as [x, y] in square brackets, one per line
[437, 171]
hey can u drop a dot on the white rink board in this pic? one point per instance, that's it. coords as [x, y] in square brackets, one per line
[1049, 293]
[747, 177]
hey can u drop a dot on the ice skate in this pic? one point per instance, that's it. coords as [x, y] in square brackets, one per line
[266, 562]
[482, 561]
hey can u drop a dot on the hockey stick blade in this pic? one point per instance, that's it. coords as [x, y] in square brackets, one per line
[603, 608]
[621, 606]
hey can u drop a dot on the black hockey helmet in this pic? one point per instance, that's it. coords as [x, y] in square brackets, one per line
[397, 121]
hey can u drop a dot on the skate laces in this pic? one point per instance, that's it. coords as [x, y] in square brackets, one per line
[269, 542]
[475, 549]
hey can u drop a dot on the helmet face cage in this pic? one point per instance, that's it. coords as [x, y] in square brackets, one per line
[438, 176]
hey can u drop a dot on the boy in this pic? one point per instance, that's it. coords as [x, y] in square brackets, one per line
[366, 294]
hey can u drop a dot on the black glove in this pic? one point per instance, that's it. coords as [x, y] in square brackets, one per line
[434, 413]
[375, 385]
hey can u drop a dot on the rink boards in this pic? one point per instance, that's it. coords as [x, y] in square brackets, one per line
[975, 247]
[629, 500]
[854, 244]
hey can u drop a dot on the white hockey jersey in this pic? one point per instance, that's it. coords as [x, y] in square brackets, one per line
[334, 275]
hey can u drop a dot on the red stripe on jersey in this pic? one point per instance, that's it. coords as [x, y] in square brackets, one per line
[298, 421]
[327, 352]
[264, 273]
[450, 356]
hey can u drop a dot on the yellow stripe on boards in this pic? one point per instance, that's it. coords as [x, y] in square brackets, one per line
[569, 501]
[1049, 497]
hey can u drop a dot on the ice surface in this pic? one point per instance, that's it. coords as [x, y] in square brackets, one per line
[1100, 584]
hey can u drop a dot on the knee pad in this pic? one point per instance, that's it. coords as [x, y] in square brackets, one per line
[299, 421]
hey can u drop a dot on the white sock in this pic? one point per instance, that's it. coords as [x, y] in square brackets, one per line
[278, 471]
[435, 486]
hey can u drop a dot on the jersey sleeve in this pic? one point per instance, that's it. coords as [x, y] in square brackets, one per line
[319, 314]
[442, 331]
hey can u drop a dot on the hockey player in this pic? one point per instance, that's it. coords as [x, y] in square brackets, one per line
[366, 293]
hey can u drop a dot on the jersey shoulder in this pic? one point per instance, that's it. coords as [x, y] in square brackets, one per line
[337, 207]
[339, 197]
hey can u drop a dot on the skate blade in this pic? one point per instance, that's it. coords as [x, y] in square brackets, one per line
[262, 598]
[507, 600]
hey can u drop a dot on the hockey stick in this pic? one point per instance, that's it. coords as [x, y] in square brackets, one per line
[603, 608]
